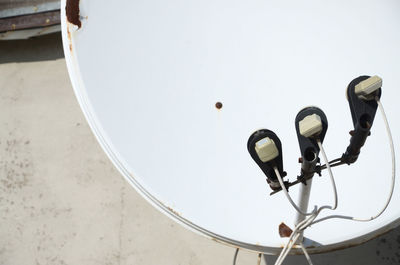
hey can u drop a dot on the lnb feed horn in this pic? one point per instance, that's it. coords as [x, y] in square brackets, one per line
[362, 93]
[265, 148]
[311, 126]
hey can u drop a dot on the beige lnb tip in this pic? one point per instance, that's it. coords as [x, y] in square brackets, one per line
[310, 125]
[266, 149]
[366, 88]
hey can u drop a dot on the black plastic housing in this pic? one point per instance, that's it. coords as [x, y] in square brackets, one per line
[309, 148]
[267, 167]
[363, 114]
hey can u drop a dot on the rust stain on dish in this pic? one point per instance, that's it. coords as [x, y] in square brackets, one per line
[69, 38]
[295, 249]
[72, 12]
[284, 230]
[173, 211]
[218, 105]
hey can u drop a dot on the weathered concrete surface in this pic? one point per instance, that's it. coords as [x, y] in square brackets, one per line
[62, 201]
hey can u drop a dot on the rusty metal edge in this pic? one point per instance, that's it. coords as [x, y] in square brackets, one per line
[27, 7]
[30, 21]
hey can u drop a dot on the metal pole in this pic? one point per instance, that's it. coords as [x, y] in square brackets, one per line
[304, 197]
[307, 169]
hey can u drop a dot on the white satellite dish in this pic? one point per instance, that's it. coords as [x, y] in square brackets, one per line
[173, 89]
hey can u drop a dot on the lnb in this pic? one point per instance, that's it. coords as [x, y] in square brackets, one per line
[311, 126]
[362, 93]
[265, 148]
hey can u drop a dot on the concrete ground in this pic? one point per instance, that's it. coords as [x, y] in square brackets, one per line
[63, 202]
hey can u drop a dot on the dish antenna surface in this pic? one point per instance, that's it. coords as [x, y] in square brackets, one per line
[174, 89]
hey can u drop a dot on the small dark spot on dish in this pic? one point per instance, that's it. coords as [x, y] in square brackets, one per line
[218, 105]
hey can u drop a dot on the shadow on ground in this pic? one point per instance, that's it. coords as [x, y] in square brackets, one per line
[42, 48]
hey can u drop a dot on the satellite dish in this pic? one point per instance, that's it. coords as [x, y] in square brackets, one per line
[173, 90]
